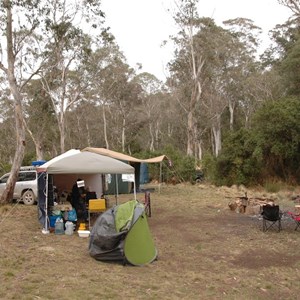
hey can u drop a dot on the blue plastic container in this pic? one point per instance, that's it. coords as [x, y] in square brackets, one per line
[38, 163]
[52, 220]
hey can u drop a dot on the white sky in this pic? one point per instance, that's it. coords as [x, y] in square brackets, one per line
[140, 26]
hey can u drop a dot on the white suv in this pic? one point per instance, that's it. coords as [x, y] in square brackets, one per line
[26, 185]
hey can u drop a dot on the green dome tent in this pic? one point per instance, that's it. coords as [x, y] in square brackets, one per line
[122, 234]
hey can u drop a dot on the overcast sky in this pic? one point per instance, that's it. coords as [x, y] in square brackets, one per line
[140, 26]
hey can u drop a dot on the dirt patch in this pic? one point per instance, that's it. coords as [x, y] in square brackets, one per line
[205, 251]
[252, 259]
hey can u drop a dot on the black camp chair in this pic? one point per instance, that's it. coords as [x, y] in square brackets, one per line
[271, 217]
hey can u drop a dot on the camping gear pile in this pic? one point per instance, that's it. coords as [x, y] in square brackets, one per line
[122, 234]
[65, 168]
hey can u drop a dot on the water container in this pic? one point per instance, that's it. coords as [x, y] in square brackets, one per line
[59, 226]
[53, 220]
[69, 228]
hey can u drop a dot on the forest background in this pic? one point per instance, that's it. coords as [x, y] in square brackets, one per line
[223, 108]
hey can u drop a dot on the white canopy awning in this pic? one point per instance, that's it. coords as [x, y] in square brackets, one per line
[77, 162]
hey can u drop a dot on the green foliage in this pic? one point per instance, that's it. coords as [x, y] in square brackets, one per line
[269, 152]
[209, 167]
[236, 163]
[180, 168]
[29, 157]
[277, 135]
[290, 67]
[5, 168]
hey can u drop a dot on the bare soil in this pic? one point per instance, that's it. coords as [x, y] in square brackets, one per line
[205, 251]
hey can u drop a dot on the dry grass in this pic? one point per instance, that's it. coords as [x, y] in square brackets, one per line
[205, 252]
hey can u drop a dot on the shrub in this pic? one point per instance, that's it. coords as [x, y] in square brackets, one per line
[236, 163]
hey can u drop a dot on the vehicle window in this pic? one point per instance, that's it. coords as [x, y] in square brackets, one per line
[26, 176]
[21, 177]
[4, 179]
[30, 176]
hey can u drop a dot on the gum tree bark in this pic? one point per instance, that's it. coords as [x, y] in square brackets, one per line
[17, 99]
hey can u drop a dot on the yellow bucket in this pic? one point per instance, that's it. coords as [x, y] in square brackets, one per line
[82, 226]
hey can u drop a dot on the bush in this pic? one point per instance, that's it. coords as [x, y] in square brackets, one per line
[181, 168]
[236, 163]
[276, 132]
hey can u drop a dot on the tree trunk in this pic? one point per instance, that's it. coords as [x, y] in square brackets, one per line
[157, 136]
[39, 151]
[190, 131]
[105, 126]
[38, 147]
[231, 112]
[200, 150]
[88, 133]
[62, 132]
[19, 118]
[151, 147]
[123, 134]
[217, 135]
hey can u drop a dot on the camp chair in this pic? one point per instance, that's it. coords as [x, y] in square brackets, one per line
[296, 218]
[271, 217]
[95, 206]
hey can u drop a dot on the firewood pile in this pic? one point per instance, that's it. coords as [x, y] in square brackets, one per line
[247, 205]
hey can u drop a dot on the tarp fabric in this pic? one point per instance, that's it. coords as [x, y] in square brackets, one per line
[106, 244]
[139, 248]
[77, 162]
[124, 215]
[124, 157]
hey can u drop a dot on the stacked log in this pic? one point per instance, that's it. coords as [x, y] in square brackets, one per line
[251, 206]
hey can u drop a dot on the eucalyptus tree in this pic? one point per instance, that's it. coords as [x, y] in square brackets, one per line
[19, 22]
[293, 5]
[113, 90]
[283, 55]
[244, 66]
[186, 56]
[67, 48]
[94, 115]
[151, 101]
[39, 115]
[219, 48]
[7, 132]
[26, 27]
[100, 89]
[287, 39]
[127, 112]
[222, 54]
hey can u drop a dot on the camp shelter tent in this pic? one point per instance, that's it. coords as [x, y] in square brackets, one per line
[122, 234]
[69, 166]
[135, 162]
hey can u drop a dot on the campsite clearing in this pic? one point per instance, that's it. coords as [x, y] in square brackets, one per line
[205, 251]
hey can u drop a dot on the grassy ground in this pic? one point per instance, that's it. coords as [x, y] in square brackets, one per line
[205, 251]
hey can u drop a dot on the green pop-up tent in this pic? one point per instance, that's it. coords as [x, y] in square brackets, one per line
[122, 233]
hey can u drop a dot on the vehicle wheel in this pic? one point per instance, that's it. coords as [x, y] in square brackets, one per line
[28, 197]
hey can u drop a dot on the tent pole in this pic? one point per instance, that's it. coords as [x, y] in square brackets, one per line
[160, 176]
[46, 229]
[134, 189]
[117, 189]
